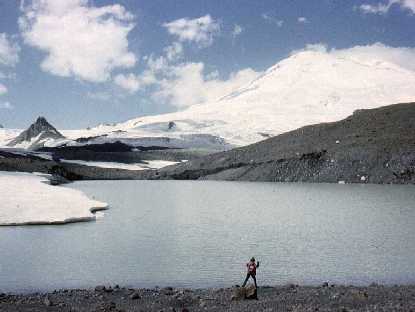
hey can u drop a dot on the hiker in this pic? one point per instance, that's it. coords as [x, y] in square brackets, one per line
[251, 266]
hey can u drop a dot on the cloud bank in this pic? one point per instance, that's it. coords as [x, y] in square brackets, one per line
[187, 84]
[80, 40]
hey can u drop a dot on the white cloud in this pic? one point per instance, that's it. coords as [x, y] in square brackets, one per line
[6, 105]
[9, 51]
[373, 54]
[374, 9]
[81, 40]
[187, 84]
[302, 20]
[3, 89]
[384, 7]
[271, 19]
[237, 30]
[174, 51]
[129, 82]
[199, 30]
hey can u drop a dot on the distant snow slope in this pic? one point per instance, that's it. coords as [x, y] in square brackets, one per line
[26, 199]
[6, 135]
[306, 88]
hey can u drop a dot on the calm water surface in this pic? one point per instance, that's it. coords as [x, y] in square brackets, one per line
[200, 234]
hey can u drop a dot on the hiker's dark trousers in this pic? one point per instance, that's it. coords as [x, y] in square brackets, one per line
[247, 278]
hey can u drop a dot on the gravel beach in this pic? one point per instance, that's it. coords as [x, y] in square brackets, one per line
[280, 298]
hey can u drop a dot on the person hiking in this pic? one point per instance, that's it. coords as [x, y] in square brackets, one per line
[251, 266]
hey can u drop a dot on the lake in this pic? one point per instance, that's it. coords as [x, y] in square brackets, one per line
[201, 234]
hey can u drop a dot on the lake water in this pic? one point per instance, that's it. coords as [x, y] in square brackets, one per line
[200, 234]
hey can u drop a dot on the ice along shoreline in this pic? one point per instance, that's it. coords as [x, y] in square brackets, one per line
[28, 199]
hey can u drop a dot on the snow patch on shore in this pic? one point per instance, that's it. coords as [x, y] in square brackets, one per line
[28, 199]
[149, 164]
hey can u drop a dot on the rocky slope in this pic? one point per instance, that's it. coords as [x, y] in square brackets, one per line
[370, 146]
[36, 135]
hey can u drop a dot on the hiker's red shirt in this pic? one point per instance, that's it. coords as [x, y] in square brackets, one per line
[251, 267]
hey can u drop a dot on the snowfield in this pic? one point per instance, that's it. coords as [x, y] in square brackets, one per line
[150, 164]
[27, 199]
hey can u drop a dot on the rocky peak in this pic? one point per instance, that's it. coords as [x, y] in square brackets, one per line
[41, 130]
[39, 126]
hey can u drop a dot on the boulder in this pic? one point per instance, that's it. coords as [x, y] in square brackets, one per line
[248, 292]
[238, 293]
[251, 292]
[135, 295]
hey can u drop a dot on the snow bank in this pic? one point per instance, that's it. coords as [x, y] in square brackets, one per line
[150, 164]
[27, 199]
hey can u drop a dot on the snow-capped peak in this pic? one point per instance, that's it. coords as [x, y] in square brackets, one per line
[36, 135]
[307, 87]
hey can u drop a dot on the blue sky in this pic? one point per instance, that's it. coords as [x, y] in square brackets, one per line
[81, 62]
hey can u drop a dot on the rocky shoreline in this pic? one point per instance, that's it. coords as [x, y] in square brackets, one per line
[279, 298]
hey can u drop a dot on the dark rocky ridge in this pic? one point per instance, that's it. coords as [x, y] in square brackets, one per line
[27, 162]
[371, 146]
[121, 152]
[42, 128]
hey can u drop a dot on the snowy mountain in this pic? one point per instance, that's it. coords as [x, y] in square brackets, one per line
[36, 135]
[308, 87]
